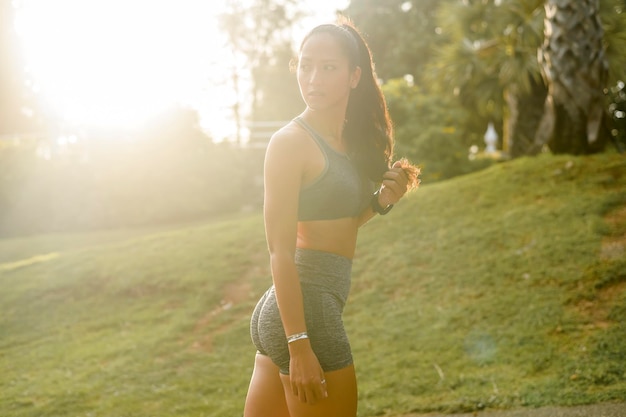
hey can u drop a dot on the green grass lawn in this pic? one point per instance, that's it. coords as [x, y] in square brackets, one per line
[504, 288]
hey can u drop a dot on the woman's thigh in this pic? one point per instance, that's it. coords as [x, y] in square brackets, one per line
[341, 400]
[266, 397]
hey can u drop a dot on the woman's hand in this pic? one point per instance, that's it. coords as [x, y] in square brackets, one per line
[305, 373]
[399, 179]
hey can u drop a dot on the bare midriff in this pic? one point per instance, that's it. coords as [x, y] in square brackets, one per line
[336, 236]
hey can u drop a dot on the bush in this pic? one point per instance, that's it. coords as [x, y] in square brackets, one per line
[118, 183]
[428, 130]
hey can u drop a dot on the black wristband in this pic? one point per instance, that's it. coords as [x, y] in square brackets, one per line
[376, 205]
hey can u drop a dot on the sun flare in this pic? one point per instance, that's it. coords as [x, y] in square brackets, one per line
[115, 63]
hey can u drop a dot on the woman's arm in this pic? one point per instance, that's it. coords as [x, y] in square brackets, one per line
[284, 168]
[283, 173]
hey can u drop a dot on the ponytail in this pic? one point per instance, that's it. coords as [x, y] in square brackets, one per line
[368, 130]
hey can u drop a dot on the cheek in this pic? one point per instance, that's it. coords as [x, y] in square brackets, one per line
[301, 84]
[342, 84]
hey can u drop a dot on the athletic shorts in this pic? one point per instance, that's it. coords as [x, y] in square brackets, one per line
[325, 281]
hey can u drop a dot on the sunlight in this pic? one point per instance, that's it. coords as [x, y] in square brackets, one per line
[115, 63]
[118, 63]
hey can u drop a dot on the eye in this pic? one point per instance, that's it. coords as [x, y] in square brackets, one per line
[304, 67]
[330, 67]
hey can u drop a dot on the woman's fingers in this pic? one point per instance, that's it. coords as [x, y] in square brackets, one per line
[306, 377]
[394, 184]
[311, 391]
[397, 175]
[320, 389]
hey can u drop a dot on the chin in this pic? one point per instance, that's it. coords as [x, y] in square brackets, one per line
[326, 106]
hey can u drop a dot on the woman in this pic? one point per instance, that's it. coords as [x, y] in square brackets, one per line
[320, 175]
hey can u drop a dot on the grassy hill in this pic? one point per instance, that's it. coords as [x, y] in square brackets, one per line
[505, 288]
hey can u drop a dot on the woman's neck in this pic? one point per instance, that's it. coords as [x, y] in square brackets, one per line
[328, 124]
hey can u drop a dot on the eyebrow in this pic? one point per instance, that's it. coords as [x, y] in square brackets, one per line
[323, 60]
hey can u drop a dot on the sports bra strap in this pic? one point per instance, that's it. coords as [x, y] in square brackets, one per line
[318, 138]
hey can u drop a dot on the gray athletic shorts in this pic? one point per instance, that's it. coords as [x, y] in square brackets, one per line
[325, 281]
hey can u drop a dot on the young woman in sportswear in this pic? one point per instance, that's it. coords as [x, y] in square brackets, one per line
[327, 172]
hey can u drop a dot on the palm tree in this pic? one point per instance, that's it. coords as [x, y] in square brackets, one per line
[519, 73]
[491, 62]
[575, 68]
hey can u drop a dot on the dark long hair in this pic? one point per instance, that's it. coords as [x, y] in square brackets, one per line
[368, 130]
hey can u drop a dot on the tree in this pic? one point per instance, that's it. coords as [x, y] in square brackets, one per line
[426, 130]
[613, 17]
[617, 112]
[403, 35]
[484, 52]
[490, 62]
[258, 33]
[576, 69]
[277, 94]
[523, 88]
[14, 95]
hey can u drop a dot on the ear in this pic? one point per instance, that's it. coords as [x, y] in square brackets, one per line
[355, 78]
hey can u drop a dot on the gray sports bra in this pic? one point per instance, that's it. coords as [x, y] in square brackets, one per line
[339, 191]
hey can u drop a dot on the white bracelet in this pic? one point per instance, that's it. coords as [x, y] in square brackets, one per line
[297, 336]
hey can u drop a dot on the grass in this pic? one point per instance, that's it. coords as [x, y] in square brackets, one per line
[504, 288]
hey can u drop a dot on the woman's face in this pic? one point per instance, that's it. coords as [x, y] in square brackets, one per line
[324, 73]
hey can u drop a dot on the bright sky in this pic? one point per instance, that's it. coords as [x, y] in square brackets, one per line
[114, 63]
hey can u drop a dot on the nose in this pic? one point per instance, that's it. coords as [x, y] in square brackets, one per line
[315, 76]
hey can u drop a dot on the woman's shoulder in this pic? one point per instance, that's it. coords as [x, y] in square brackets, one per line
[290, 138]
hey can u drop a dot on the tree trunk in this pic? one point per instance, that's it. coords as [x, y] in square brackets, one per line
[575, 68]
[13, 94]
[524, 113]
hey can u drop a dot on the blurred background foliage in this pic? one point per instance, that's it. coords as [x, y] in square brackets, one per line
[171, 172]
[448, 68]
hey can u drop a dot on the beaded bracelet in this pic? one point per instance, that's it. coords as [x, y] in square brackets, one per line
[297, 336]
